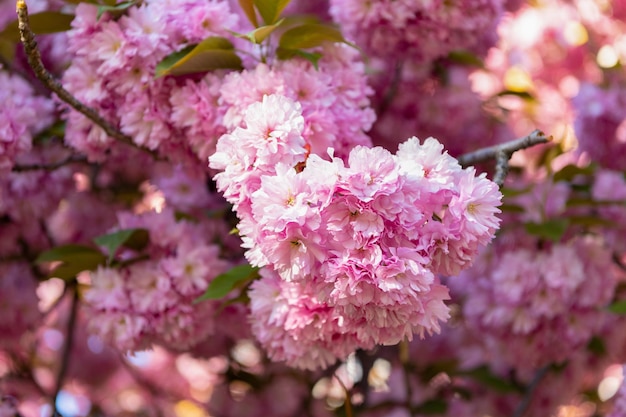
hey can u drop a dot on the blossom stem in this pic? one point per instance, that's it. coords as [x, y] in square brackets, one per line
[503, 152]
[34, 60]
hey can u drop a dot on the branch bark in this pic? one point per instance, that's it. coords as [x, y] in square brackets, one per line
[67, 348]
[503, 152]
[34, 60]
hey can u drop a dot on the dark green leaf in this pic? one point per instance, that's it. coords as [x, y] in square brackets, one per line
[590, 221]
[511, 208]
[551, 229]
[618, 307]
[483, 375]
[40, 23]
[465, 58]
[79, 263]
[224, 283]
[568, 172]
[65, 253]
[73, 259]
[521, 94]
[136, 239]
[270, 10]
[512, 192]
[596, 346]
[309, 36]
[115, 10]
[7, 50]
[212, 53]
[248, 8]
[312, 57]
[166, 63]
[434, 406]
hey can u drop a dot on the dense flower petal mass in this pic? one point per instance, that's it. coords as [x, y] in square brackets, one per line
[366, 236]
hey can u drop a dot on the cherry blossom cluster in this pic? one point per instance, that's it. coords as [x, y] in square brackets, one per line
[18, 302]
[151, 301]
[333, 96]
[609, 188]
[418, 30]
[425, 106]
[356, 246]
[540, 305]
[23, 114]
[114, 65]
[347, 243]
[600, 123]
[182, 118]
[28, 198]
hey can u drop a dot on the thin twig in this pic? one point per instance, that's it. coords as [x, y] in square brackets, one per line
[34, 60]
[503, 152]
[403, 354]
[530, 390]
[67, 348]
[618, 262]
[392, 91]
[348, 400]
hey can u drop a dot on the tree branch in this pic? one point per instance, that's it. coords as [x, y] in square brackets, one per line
[67, 348]
[530, 390]
[34, 60]
[503, 152]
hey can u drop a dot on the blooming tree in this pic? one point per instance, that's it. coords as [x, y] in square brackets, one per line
[288, 208]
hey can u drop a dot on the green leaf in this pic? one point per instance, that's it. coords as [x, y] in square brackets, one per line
[597, 346]
[248, 8]
[513, 192]
[270, 10]
[465, 58]
[136, 239]
[618, 307]
[568, 172]
[40, 23]
[312, 57]
[309, 36]
[483, 375]
[7, 50]
[512, 208]
[260, 34]
[73, 258]
[590, 221]
[551, 229]
[64, 253]
[79, 263]
[434, 406]
[224, 283]
[212, 53]
[115, 10]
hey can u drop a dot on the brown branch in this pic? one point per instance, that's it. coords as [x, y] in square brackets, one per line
[503, 152]
[67, 348]
[348, 401]
[530, 390]
[34, 60]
